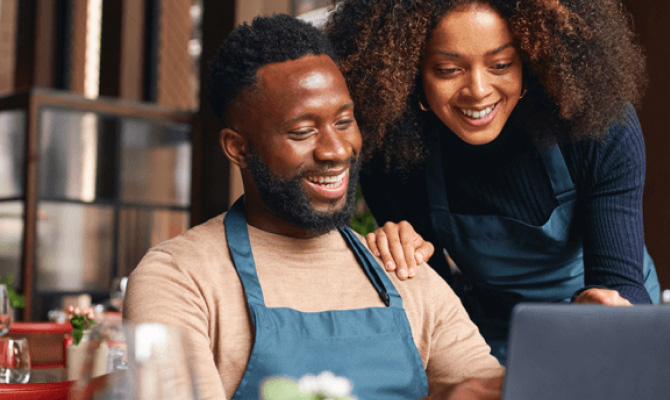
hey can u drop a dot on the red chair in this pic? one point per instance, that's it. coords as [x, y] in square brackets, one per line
[35, 391]
[47, 342]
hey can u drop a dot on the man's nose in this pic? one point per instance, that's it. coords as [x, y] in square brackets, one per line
[332, 145]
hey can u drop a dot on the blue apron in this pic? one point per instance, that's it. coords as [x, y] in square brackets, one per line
[372, 347]
[506, 261]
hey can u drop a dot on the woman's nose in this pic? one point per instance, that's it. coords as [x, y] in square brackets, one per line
[479, 85]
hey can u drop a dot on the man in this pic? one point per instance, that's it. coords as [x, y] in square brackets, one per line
[273, 287]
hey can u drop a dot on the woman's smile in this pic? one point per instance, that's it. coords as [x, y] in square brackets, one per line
[479, 116]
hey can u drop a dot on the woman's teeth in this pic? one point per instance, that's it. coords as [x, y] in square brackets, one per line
[328, 181]
[478, 114]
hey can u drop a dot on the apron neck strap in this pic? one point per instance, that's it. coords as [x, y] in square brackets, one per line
[552, 158]
[378, 277]
[559, 174]
[239, 246]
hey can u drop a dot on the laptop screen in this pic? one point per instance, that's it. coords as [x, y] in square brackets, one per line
[568, 351]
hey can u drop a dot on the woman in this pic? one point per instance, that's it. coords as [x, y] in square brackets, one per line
[503, 131]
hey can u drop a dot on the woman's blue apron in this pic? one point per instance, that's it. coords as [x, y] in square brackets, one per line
[506, 261]
[372, 347]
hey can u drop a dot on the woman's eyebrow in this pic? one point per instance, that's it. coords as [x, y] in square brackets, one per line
[488, 53]
[499, 49]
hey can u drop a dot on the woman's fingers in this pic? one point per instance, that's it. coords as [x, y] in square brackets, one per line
[415, 248]
[371, 239]
[382, 246]
[400, 248]
[423, 250]
[606, 297]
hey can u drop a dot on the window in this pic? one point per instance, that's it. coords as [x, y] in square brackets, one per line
[108, 180]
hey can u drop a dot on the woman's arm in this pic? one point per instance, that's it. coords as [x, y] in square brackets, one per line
[612, 184]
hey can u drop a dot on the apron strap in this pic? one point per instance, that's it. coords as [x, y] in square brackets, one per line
[559, 174]
[239, 246]
[554, 164]
[378, 277]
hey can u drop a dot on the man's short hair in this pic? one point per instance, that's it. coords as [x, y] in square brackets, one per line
[249, 47]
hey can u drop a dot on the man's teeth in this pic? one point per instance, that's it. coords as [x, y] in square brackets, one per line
[478, 114]
[328, 181]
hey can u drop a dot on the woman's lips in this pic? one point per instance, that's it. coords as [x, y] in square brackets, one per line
[475, 118]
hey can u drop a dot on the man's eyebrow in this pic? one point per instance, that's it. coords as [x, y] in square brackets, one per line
[345, 106]
[311, 115]
[488, 53]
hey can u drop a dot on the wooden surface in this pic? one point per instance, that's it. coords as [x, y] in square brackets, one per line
[653, 30]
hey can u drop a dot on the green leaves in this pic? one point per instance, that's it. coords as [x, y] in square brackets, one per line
[80, 322]
[77, 334]
[362, 222]
[16, 300]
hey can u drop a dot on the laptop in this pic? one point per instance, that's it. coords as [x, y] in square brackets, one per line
[573, 352]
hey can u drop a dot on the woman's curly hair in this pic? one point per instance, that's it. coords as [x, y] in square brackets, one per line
[581, 66]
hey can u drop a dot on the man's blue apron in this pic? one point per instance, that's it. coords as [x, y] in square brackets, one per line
[372, 347]
[506, 261]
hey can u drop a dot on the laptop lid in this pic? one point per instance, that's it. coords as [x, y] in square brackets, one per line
[568, 351]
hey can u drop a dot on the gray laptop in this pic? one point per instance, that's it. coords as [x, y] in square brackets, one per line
[573, 352]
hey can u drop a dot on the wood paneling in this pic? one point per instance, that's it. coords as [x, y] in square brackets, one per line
[132, 50]
[78, 48]
[8, 24]
[45, 43]
[211, 171]
[651, 25]
[246, 10]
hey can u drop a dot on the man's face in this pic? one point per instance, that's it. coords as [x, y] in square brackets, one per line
[288, 200]
[304, 143]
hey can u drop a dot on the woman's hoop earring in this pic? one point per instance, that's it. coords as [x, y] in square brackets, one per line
[523, 93]
[422, 107]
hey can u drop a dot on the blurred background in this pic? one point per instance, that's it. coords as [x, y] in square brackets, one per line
[108, 146]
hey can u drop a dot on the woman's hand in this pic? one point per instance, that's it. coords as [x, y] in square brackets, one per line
[400, 248]
[607, 297]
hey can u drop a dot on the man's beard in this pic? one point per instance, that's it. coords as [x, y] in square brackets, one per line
[288, 200]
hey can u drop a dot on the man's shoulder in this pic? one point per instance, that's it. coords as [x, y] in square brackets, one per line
[425, 286]
[200, 238]
[192, 250]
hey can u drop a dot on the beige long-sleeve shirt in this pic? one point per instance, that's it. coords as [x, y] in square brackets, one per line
[191, 282]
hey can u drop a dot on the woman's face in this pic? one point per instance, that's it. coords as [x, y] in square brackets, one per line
[472, 73]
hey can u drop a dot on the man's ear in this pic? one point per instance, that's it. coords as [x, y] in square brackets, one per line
[234, 146]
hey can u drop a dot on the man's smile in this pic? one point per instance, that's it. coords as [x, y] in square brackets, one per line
[328, 185]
